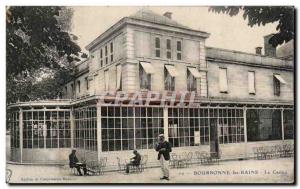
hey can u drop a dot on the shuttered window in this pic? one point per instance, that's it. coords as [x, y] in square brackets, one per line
[251, 82]
[119, 77]
[223, 85]
[106, 79]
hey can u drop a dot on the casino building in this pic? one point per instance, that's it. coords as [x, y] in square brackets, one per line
[148, 74]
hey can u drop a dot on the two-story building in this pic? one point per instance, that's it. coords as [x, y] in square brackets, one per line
[149, 75]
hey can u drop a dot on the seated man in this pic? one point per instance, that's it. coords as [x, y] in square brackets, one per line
[135, 161]
[74, 162]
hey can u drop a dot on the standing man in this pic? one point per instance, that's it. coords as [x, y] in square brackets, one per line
[163, 148]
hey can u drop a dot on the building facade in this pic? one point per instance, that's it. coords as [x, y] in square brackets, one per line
[147, 75]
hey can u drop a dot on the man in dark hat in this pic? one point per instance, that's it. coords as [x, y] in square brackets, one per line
[134, 161]
[74, 162]
[163, 148]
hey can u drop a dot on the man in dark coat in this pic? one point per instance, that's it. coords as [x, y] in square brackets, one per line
[74, 162]
[135, 161]
[163, 148]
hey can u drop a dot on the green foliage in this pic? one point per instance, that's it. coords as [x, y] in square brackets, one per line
[40, 51]
[256, 15]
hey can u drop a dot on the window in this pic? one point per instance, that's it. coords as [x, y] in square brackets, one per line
[78, 86]
[223, 80]
[101, 57]
[14, 130]
[106, 80]
[106, 58]
[288, 122]
[46, 129]
[170, 74]
[111, 52]
[277, 80]
[119, 77]
[251, 82]
[230, 124]
[276, 87]
[72, 88]
[192, 75]
[191, 82]
[157, 47]
[128, 128]
[169, 51]
[145, 72]
[188, 126]
[87, 83]
[179, 50]
[85, 131]
[264, 124]
[66, 90]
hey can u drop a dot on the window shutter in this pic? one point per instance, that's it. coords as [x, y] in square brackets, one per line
[223, 80]
[251, 82]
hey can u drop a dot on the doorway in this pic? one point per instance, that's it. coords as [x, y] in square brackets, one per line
[214, 142]
[253, 122]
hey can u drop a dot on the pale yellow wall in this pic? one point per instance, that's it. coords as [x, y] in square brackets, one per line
[118, 51]
[192, 47]
[237, 76]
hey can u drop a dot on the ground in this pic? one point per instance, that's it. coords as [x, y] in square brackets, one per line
[246, 171]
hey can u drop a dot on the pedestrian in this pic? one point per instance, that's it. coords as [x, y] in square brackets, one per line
[134, 161]
[163, 148]
[74, 162]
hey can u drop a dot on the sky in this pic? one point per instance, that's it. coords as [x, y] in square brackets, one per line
[225, 32]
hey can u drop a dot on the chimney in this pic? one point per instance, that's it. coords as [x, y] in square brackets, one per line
[258, 50]
[168, 15]
[269, 49]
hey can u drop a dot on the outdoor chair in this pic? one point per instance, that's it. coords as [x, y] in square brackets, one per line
[291, 152]
[278, 151]
[288, 150]
[261, 153]
[197, 154]
[134, 168]
[268, 152]
[273, 152]
[102, 165]
[255, 152]
[121, 166]
[216, 157]
[181, 161]
[144, 162]
[189, 157]
[93, 168]
[173, 160]
[204, 157]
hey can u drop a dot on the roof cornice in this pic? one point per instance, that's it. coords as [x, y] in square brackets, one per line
[139, 22]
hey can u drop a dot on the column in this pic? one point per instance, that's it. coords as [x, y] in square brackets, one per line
[245, 130]
[72, 126]
[99, 135]
[21, 133]
[282, 125]
[45, 128]
[166, 122]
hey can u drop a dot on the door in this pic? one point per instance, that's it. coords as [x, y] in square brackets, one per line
[214, 143]
[252, 125]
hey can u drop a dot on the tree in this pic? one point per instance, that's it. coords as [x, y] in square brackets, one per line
[256, 15]
[40, 51]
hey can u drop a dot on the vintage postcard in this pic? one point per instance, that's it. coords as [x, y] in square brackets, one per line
[163, 95]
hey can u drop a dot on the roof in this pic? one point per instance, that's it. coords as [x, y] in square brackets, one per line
[146, 15]
[286, 50]
[150, 16]
[226, 55]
